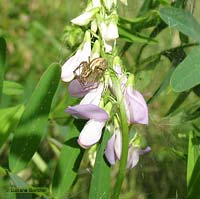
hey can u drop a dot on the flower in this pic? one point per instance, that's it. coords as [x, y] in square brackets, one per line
[91, 133]
[86, 17]
[88, 109]
[135, 105]
[114, 148]
[109, 34]
[82, 54]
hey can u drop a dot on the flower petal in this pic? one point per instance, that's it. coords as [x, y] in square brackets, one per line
[77, 90]
[73, 62]
[88, 111]
[94, 96]
[133, 157]
[69, 66]
[91, 133]
[110, 152]
[136, 107]
[85, 18]
[112, 32]
[118, 143]
[146, 150]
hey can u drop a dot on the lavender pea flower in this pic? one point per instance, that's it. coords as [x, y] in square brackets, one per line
[88, 109]
[136, 107]
[114, 148]
[73, 62]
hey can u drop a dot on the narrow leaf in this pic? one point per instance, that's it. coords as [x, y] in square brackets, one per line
[68, 164]
[12, 88]
[193, 167]
[182, 20]
[193, 154]
[34, 120]
[9, 118]
[187, 74]
[2, 62]
[131, 37]
[100, 183]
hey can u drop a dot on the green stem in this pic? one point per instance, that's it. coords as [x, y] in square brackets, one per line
[124, 154]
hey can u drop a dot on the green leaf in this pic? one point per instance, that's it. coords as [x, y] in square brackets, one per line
[181, 20]
[193, 167]
[68, 164]
[12, 88]
[2, 62]
[163, 86]
[187, 74]
[9, 118]
[2, 172]
[100, 183]
[33, 123]
[193, 154]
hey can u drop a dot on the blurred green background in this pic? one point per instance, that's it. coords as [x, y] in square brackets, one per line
[34, 31]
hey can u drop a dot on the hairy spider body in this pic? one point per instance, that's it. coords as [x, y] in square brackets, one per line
[91, 71]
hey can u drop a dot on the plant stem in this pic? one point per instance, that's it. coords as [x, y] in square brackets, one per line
[124, 154]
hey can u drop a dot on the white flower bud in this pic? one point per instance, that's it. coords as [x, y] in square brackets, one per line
[85, 18]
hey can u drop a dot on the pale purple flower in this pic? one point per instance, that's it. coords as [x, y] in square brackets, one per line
[78, 90]
[136, 107]
[91, 133]
[93, 96]
[114, 148]
[73, 62]
[133, 157]
[88, 109]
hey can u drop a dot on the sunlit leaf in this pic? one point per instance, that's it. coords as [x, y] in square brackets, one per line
[2, 62]
[68, 164]
[100, 183]
[187, 74]
[193, 167]
[182, 20]
[193, 154]
[9, 118]
[32, 126]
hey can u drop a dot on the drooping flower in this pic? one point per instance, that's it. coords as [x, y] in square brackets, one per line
[109, 32]
[91, 133]
[114, 148]
[136, 107]
[82, 54]
[86, 17]
[88, 109]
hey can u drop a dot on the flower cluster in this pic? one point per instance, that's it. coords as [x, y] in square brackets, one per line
[99, 97]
